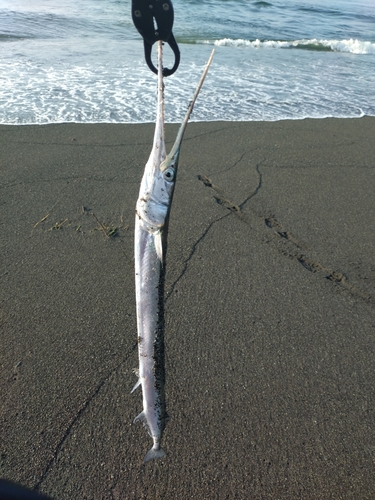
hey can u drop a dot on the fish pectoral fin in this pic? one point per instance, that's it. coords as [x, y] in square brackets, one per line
[159, 245]
[154, 453]
[137, 384]
[141, 418]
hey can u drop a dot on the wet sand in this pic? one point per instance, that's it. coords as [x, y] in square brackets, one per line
[270, 312]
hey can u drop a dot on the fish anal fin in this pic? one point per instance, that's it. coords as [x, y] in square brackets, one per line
[140, 418]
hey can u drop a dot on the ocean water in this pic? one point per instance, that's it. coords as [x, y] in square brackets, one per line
[69, 61]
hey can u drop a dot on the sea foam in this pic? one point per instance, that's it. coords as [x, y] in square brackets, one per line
[351, 45]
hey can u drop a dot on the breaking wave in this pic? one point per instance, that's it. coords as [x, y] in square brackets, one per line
[351, 46]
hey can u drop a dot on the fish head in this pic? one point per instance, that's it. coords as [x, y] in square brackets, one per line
[165, 181]
[154, 204]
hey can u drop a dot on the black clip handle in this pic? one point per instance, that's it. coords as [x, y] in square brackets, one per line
[154, 21]
[166, 71]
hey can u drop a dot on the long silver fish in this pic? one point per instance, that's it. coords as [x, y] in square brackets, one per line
[151, 221]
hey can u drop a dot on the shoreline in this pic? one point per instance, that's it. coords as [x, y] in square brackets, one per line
[270, 296]
[284, 119]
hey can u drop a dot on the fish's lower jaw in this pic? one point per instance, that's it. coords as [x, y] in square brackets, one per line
[155, 452]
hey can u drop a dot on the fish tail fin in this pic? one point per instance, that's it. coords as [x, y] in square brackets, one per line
[154, 453]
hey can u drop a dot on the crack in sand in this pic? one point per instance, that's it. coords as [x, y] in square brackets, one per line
[220, 198]
[284, 241]
[68, 431]
[203, 134]
[259, 186]
[231, 166]
[191, 255]
[73, 178]
[79, 415]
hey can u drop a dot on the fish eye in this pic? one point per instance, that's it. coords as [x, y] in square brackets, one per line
[169, 174]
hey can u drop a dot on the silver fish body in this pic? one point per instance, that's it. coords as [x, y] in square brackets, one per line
[151, 212]
[149, 281]
[151, 221]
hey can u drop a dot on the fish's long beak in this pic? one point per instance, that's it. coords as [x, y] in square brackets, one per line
[172, 158]
[158, 152]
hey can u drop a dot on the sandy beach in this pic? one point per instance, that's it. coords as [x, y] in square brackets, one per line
[270, 302]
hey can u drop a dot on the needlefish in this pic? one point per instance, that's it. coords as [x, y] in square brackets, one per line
[151, 225]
